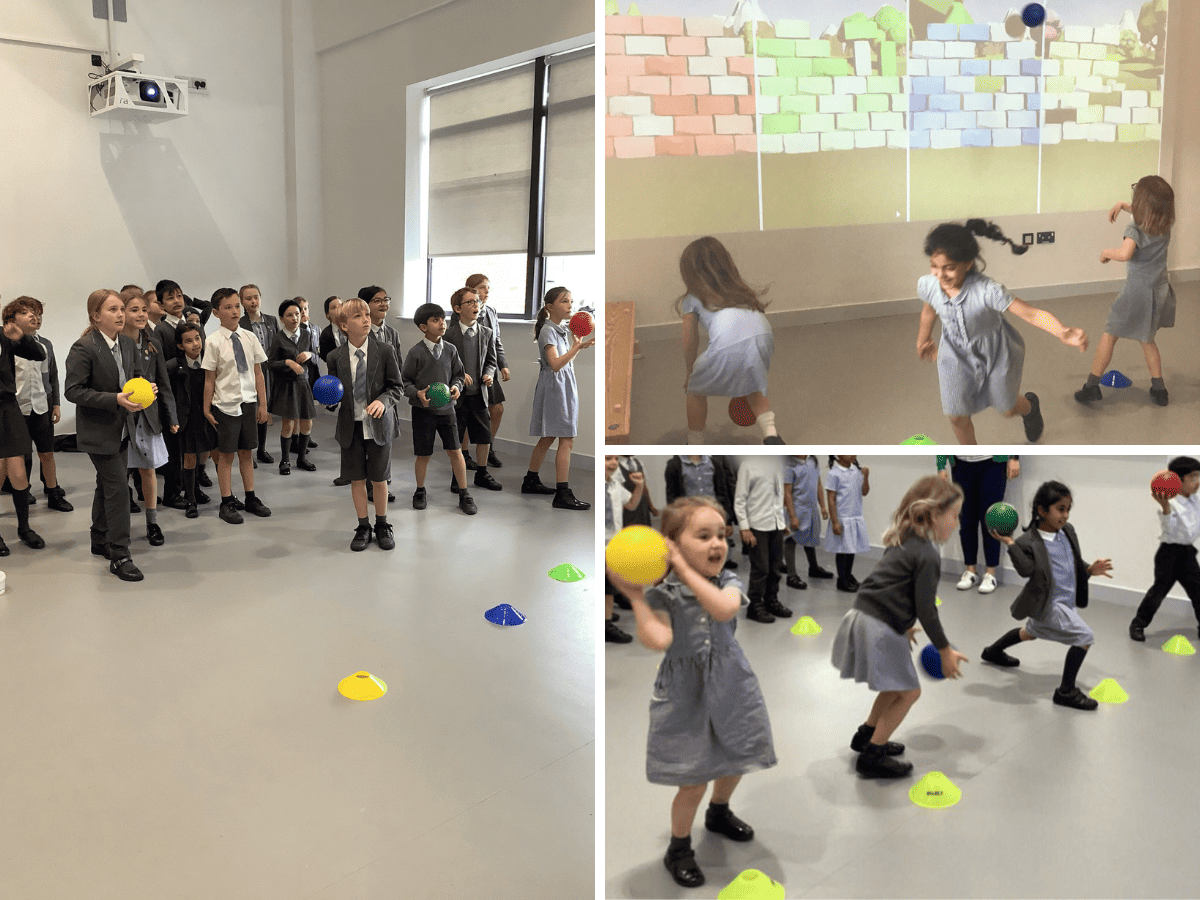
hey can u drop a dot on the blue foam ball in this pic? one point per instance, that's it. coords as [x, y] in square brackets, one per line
[327, 390]
[1033, 15]
[932, 661]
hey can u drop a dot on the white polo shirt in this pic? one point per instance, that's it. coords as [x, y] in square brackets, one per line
[233, 388]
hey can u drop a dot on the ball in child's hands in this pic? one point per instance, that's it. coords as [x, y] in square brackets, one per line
[327, 390]
[582, 324]
[932, 661]
[1001, 518]
[740, 412]
[638, 554]
[1166, 483]
[438, 394]
[140, 391]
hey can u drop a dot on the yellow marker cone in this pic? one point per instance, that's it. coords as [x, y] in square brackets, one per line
[935, 791]
[1108, 691]
[752, 885]
[806, 625]
[362, 686]
[937, 601]
[1179, 646]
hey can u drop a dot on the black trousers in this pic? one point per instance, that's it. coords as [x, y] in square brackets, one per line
[110, 505]
[1172, 563]
[982, 483]
[765, 556]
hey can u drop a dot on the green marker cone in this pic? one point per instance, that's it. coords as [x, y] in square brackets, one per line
[1179, 646]
[1108, 691]
[918, 439]
[935, 791]
[566, 572]
[752, 885]
[806, 625]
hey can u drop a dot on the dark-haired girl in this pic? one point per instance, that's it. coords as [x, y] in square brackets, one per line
[1048, 555]
[197, 437]
[981, 356]
[291, 399]
[1147, 302]
[555, 398]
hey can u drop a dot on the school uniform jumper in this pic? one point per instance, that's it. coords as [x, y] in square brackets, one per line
[556, 395]
[708, 719]
[478, 354]
[489, 317]
[711, 477]
[14, 433]
[1175, 559]
[981, 355]
[366, 443]
[1147, 301]
[290, 396]
[37, 395]
[738, 355]
[871, 644]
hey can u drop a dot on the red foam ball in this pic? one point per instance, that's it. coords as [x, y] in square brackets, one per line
[1166, 483]
[740, 412]
[581, 324]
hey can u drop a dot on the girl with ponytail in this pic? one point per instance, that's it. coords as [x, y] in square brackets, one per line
[872, 643]
[980, 356]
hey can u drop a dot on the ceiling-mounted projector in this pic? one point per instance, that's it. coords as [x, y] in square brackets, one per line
[143, 98]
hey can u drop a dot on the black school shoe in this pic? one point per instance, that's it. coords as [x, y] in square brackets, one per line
[258, 508]
[873, 762]
[420, 501]
[97, 550]
[494, 460]
[999, 658]
[362, 538]
[453, 484]
[1089, 393]
[192, 512]
[847, 587]
[177, 501]
[384, 537]
[777, 609]
[724, 822]
[340, 482]
[303, 463]
[466, 504]
[285, 467]
[757, 612]
[818, 572]
[31, 539]
[1074, 698]
[565, 499]
[682, 866]
[56, 498]
[862, 738]
[471, 464]
[1033, 422]
[202, 478]
[1137, 632]
[264, 457]
[797, 583]
[614, 635]
[485, 479]
[201, 497]
[155, 536]
[532, 484]
[4, 551]
[230, 514]
[125, 569]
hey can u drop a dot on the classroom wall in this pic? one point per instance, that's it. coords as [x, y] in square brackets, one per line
[845, 272]
[1113, 514]
[206, 200]
[368, 53]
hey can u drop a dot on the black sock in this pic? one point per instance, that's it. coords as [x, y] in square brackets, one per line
[302, 450]
[1158, 384]
[789, 556]
[532, 476]
[21, 502]
[227, 500]
[1071, 667]
[285, 447]
[811, 553]
[844, 561]
[380, 520]
[721, 809]
[189, 485]
[563, 485]
[262, 437]
[249, 496]
[1093, 380]
[679, 844]
[364, 522]
[1010, 639]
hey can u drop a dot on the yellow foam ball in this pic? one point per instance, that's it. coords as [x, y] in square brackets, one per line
[140, 392]
[638, 554]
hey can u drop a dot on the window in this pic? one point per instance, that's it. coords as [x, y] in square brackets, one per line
[503, 180]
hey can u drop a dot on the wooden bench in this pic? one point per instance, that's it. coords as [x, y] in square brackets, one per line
[619, 350]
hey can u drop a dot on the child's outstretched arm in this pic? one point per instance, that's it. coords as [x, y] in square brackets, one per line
[653, 627]
[926, 348]
[1116, 210]
[1072, 337]
[1124, 253]
[691, 343]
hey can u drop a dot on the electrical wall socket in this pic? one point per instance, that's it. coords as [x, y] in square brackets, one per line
[1045, 237]
[1027, 238]
[197, 84]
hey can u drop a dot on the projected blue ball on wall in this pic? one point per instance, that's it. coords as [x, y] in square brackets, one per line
[1033, 15]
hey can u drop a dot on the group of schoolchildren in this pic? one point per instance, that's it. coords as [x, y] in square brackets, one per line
[708, 718]
[214, 395]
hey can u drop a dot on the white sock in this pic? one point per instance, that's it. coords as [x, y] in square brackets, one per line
[767, 423]
[695, 437]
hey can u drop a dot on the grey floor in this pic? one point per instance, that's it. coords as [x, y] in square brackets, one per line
[861, 382]
[184, 737]
[1055, 802]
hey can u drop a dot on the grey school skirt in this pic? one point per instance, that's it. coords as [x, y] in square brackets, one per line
[867, 649]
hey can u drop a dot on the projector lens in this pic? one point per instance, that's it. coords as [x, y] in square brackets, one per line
[149, 92]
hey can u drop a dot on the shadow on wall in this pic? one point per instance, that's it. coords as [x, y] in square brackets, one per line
[159, 202]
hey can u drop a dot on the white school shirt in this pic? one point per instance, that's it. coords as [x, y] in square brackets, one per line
[617, 497]
[1182, 524]
[31, 386]
[758, 498]
[360, 412]
[233, 388]
[435, 350]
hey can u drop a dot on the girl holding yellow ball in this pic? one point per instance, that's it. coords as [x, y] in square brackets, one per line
[708, 719]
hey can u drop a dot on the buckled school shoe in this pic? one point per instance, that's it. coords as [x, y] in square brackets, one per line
[873, 762]
[362, 538]
[777, 609]
[795, 582]
[862, 738]
[999, 658]
[303, 463]
[420, 501]
[682, 866]
[485, 479]
[1075, 698]
[31, 539]
[757, 612]
[818, 572]
[532, 484]
[285, 467]
[56, 498]
[466, 504]
[494, 460]
[125, 569]
[192, 512]
[155, 536]
[724, 822]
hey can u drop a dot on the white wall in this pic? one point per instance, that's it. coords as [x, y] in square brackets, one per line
[369, 52]
[1112, 511]
[204, 200]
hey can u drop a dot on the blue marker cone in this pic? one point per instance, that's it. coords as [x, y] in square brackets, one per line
[504, 615]
[1115, 379]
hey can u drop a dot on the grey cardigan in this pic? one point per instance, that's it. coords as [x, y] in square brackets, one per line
[1031, 559]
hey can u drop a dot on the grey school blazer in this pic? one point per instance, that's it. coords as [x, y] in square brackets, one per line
[383, 383]
[1031, 559]
[92, 384]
